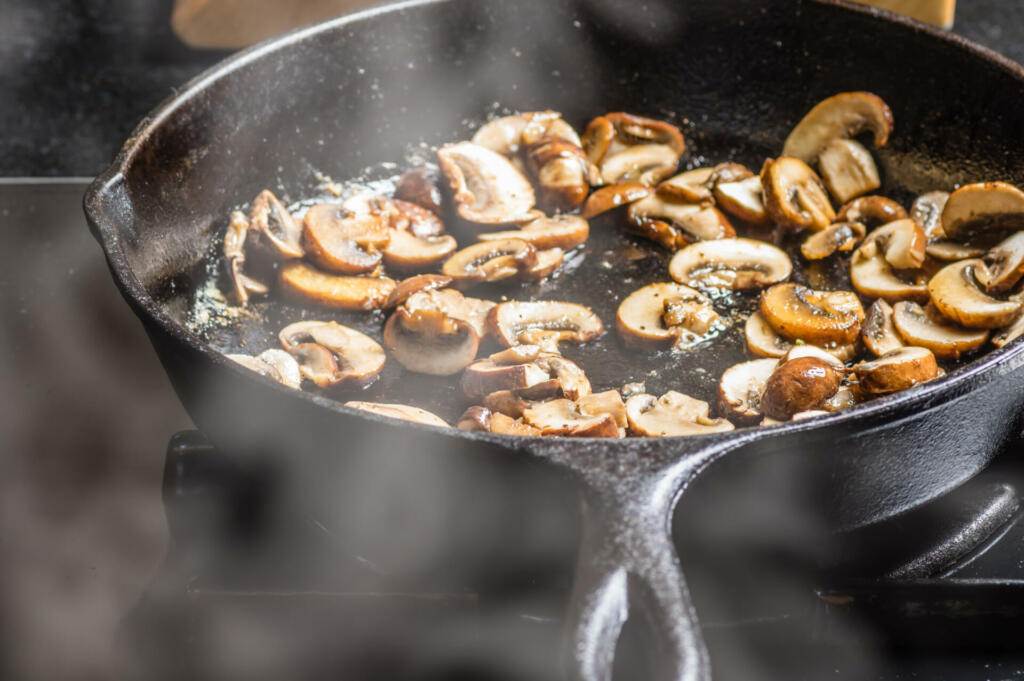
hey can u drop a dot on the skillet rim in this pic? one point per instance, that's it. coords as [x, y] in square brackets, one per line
[919, 398]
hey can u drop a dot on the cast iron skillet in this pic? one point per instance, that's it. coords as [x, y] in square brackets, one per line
[736, 75]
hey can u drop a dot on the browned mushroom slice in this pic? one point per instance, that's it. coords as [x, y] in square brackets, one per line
[517, 354]
[490, 261]
[794, 196]
[234, 251]
[896, 370]
[733, 263]
[628, 148]
[691, 186]
[309, 284]
[571, 379]
[957, 294]
[1011, 332]
[805, 350]
[561, 171]
[406, 251]
[486, 187]
[355, 358]
[951, 251]
[1005, 263]
[897, 245]
[878, 332]
[503, 135]
[839, 236]
[740, 389]
[559, 231]
[983, 207]
[486, 376]
[841, 116]
[673, 414]
[415, 284]
[945, 339]
[403, 412]
[665, 315]
[848, 169]
[511, 402]
[844, 398]
[927, 212]
[673, 224]
[272, 220]
[482, 419]
[340, 240]
[762, 339]
[418, 187]
[277, 365]
[819, 317]
[410, 217]
[743, 199]
[871, 211]
[613, 196]
[564, 418]
[800, 384]
[607, 402]
[547, 264]
[454, 304]
[516, 322]
[430, 341]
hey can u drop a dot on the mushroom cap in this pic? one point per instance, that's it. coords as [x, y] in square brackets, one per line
[692, 186]
[400, 411]
[927, 212]
[558, 231]
[613, 196]
[878, 332]
[798, 385]
[306, 283]
[486, 376]
[471, 310]
[339, 240]
[848, 169]
[1005, 263]
[762, 339]
[406, 251]
[281, 232]
[839, 236]
[871, 211]
[896, 370]
[490, 261]
[674, 224]
[641, 317]
[673, 414]
[564, 417]
[743, 199]
[486, 187]
[358, 357]
[571, 322]
[945, 339]
[740, 389]
[734, 263]
[840, 116]
[430, 341]
[899, 244]
[415, 284]
[981, 207]
[822, 318]
[957, 294]
[794, 196]
[560, 169]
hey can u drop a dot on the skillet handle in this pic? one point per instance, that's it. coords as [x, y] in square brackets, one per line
[628, 565]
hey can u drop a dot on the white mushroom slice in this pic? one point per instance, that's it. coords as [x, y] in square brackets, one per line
[571, 379]
[692, 186]
[740, 388]
[673, 224]
[762, 339]
[805, 350]
[485, 376]
[733, 263]
[503, 135]
[628, 148]
[839, 236]
[486, 187]
[645, 317]
[316, 363]
[358, 357]
[613, 196]
[1005, 263]
[897, 370]
[303, 282]
[482, 419]
[414, 284]
[671, 415]
[470, 310]
[430, 341]
[983, 207]
[957, 294]
[823, 318]
[878, 332]
[794, 196]
[945, 339]
[235, 239]
[799, 385]
[403, 412]
[644, 163]
[406, 251]
[871, 211]
[340, 240]
[841, 116]
[559, 231]
[607, 402]
[490, 261]
[898, 244]
[743, 199]
[848, 169]
[564, 417]
[547, 264]
[927, 212]
[951, 251]
[277, 365]
[517, 354]
[516, 321]
[272, 220]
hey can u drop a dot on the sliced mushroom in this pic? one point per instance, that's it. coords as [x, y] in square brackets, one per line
[983, 207]
[306, 283]
[352, 358]
[848, 169]
[900, 245]
[470, 310]
[403, 412]
[547, 264]
[406, 251]
[486, 376]
[733, 263]
[1005, 263]
[878, 332]
[565, 418]
[691, 186]
[842, 116]
[418, 187]
[282, 232]
[804, 350]
[414, 284]
[740, 389]
[234, 252]
[672, 414]
[945, 339]
[844, 398]
[606, 402]
[430, 341]
[340, 240]
[277, 365]
[559, 231]
[927, 212]
[489, 261]
[957, 294]
[762, 339]
[951, 251]
[614, 195]
[486, 187]
[1010, 333]
[839, 236]
[743, 199]
[673, 224]
[798, 385]
[665, 315]
[628, 148]
[819, 317]
[516, 322]
[560, 168]
[794, 196]
[871, 211]
[896, 370]
[482, 419]
[503, 135]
